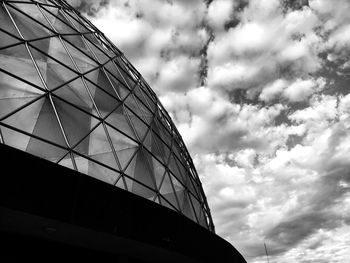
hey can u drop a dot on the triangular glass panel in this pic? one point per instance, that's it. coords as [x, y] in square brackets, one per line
[28, 27]
[100, 55]
[174, 169]
[131, 103]
[166, 186]
[17, 51]
[178, 186]
[91, 37]
[101, 172]
[202, 219]
[196, 205]
[7, 40]
[119, 121]
[81, 59]
[141, 190]
[92, 75]
[32, 10]
[124, 76]
[127, 159]
[119, 140]
[26, 118]
[143, 173]
[74, 22]
[82, 164]
[159, 149]
[6, 22]
[98, 141]
[55, 18]
[187, 207]
[104, 102]
[121, 183]
[13, 138]
[142, 103]
[67, 162]
[57, 75]
[167, 203]
[118, 86]
[75, 93]
[77, 41]
[15, 93]
[140, 89]
[38, 47]
[58, 51]
[162, 132]
[158, 171]
[140, 128]
[76, 123]
[47, 126]
[104, 83]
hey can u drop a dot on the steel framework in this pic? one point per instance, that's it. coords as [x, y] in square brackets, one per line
[69, 95]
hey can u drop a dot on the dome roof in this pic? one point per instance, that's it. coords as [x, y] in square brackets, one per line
[68, 95]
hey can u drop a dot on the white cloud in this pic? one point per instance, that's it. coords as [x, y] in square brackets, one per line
[219, 12]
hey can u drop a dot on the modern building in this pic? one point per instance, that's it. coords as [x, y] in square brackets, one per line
[92, 165]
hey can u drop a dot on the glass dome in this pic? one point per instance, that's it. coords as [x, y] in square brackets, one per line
[68, 95]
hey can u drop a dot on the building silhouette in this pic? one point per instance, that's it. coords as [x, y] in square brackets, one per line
[86, 145]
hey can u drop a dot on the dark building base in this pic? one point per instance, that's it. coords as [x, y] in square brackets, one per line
[50, 213]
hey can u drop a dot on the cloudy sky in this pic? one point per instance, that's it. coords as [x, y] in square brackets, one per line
[259, 91]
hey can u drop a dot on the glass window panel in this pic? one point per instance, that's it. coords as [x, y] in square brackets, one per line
[57, 75]
[26, 118]
[196, 205]
[101, 172]
[166, 186]
[104, 83]
[120, 141]
[103, 101]
[98, 142]
[127, 159]
[28, 27]
[75, 93]
[75, 24]
[6, 23]
[140, 128]
[57, 20]
[23, 68]
[76, 124]
[77, 41]
[142, 170]
[171, 198]
[67, 162]
[83, 62]
[145, 107]
[14, 138]
[158, 171]
[166, 203]
[101, 56]
[119, 121]
[6, 40]
[57, 51]
[142, 191]
[47, 126]
[187, 207]
[118, 86]
[82, 164]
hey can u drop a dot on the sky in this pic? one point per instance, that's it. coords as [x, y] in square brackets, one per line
[258, 89]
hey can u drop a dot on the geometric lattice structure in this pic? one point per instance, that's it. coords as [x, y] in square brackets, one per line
[68, 95]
